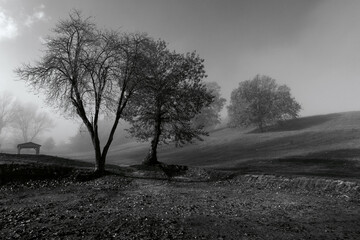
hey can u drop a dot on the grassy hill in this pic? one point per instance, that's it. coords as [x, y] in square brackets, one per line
[38, 190]
[305, 141]
[320, 136]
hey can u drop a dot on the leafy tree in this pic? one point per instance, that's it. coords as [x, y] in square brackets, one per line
[88, 73]
[172, 95]
[29, 122]
[261, 101]
[209, 116]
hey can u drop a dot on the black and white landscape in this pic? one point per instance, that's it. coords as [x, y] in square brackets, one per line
[179, 119]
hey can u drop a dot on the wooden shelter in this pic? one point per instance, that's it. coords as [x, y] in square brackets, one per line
[29, 145]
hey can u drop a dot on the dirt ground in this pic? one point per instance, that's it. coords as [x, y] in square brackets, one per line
[119, 207]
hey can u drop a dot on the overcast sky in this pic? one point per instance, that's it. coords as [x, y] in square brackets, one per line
[311, 46]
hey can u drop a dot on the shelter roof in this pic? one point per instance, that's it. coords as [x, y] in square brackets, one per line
[28, 145]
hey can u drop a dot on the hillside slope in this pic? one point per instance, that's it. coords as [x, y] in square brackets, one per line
[326, 136]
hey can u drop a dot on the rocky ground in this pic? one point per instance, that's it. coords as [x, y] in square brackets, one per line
[199, 204]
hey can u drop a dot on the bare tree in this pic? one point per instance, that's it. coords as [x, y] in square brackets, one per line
[29, 122]
[89, 73]
[6, 109]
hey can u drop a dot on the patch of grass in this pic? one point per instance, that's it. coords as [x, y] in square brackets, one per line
[24, 167]
[42, 159]
[170, 171]
[347, 153]
[299, 123]
[26, 172]
[309, 137]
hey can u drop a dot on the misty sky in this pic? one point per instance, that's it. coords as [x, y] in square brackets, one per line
[311, 46]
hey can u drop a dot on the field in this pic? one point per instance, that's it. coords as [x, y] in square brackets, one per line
[317, 145]
[300, 180]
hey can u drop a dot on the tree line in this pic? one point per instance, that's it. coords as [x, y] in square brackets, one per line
[96, 74]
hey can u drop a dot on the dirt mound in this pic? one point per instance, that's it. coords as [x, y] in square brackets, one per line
[303, 183]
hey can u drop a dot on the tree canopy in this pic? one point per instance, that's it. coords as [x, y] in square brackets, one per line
[89, 73]
[261, 101]
[95, 74]
[172, 94]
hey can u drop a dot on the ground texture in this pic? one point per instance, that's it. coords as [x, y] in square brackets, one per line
[197, 205]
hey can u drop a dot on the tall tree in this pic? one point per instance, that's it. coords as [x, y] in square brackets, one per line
[209, 116]
[29, 122]
[88, 73]
[261, 101]
[171, 96]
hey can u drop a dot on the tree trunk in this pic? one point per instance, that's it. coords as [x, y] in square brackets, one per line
[99, 158]
[261, 128]
[99, 166]
[151, 158]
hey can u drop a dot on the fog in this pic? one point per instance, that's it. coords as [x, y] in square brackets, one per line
[311, 46]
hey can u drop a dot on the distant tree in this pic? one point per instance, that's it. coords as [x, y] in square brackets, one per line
[49, 144]
[209, 116]
[29, 122]
[89, 73]
[80, 141]
[261, 101]
[171, 96]
[6, 110]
